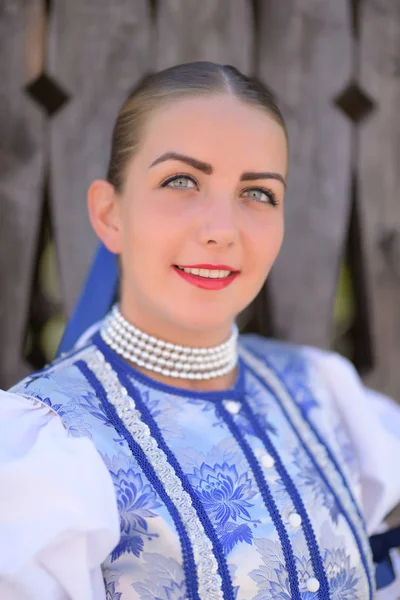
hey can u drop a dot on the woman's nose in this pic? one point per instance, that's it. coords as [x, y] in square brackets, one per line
[220, 223]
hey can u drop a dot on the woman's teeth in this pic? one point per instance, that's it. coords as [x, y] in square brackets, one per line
[208, 273]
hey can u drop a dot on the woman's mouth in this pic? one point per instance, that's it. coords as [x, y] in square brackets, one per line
[208, 277]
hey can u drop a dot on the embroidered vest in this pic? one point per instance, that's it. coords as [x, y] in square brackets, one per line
[246, 493]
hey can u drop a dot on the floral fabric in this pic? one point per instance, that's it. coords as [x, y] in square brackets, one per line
[275, 526]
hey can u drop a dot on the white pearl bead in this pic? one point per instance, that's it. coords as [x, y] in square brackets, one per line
[232, 406]
[295, 520]
[267, 461]
[313, 584]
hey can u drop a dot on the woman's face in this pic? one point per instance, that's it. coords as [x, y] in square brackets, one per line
[205, 188]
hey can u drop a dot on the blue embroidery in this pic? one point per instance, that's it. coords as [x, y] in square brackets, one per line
[222, 485]
[224, 494]
[343, 580]
[135, 503]
[293, 492]
[187, 551]
[111, 580]
[311, 478]
[351, 524]
[269, 503]
[203, 517]
[164, 579]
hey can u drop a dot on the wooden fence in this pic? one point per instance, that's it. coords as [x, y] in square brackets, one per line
[66, 67]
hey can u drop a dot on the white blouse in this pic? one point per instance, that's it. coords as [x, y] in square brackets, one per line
[58, 512]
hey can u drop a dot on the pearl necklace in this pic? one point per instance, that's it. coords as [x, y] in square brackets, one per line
[170, 360]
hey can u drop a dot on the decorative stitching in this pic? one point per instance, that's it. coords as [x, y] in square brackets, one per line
[319, 438]
[200, 565]
[308, 440]
[268, 501]
[147, 418]
[309, 534]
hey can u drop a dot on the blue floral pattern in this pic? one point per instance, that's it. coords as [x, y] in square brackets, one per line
[147, 563]
[111, 580]
[309, 477]
[225, 495]
[136, 504]
[272, 578]
[164, 579]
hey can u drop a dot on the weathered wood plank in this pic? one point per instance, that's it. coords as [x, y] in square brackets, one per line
[304, 55]
[97, 51]
[379, 184]
[215, 30]
[21, 175]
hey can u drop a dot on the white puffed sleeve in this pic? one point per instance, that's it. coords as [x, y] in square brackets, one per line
[373, 422]
[58, 511]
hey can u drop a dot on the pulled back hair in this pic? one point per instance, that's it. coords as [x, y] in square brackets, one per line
[188, 80]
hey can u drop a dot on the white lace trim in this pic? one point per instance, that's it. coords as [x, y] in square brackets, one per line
[317, 450]
[207, 566]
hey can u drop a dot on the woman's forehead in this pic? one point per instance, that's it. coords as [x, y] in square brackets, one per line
[216, 128]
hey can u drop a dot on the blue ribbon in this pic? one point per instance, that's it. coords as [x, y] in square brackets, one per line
[381, 544]
[97, 297]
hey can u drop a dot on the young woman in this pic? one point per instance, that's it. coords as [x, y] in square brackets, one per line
[166, 457]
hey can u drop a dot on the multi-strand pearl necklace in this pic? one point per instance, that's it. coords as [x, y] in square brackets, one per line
[170, 360]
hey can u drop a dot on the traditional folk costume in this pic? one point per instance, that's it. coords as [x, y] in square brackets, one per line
[114, 485]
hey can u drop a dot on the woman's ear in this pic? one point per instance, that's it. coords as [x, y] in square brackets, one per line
[104, 214]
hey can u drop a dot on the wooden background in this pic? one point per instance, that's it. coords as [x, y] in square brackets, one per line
[65, 68]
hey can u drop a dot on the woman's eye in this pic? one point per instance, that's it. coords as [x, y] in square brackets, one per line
[180, 182]
[261, 195]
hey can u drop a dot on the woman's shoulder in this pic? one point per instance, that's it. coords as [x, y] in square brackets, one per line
[289, 358]
[61, 379]
[52, 523]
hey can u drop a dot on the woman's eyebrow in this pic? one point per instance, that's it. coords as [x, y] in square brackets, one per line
[193, 162]
[208, 169]
[251, 176]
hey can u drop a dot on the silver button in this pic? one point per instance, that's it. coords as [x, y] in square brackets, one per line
[267, 461]
[232, 406]
[313, 584]
[294, 520]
